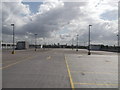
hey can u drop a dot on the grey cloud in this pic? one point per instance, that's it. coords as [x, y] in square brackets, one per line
[99, 34]
[110, 15]
[54, 20]
[51, 21]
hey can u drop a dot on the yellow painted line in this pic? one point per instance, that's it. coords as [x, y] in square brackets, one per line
[71, 66]
[26, 58]
[71, 81]
[7, 62]
[17, 62]
[49, 57]
[94, 72]
[12, 61]
[96, 84]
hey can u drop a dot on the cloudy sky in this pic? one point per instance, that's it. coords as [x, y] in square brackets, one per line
[57, 21]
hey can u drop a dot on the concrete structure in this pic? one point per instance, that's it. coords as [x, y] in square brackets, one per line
[7, 45]
[95, 47]
[22, 45]
[54, 68]
[95, 71]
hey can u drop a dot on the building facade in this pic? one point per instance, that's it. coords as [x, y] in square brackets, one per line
[22, 45]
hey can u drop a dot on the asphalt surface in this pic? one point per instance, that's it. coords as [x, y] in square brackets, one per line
[59, 68]
[96, 71]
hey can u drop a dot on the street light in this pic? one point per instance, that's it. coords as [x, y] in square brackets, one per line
[118, 42]
[77, 43]
[35, 42]
[89, 53]
[72, 43]
[13, 52]
[44, 43]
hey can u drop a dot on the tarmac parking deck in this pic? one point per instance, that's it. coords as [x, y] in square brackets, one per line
[59, 68]
[95, 71]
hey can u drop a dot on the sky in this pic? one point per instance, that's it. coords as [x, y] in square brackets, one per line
[57, 21]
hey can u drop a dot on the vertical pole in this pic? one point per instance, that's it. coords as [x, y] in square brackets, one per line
[84, 44]
[13, 39]
[118, 42]
[77, 44]
[13, 52]
[89, 53]
[72, 43]
[35, 42]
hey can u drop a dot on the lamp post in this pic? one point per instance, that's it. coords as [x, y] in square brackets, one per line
[44, 43]
[118, 42]
[72, 43]
[89, 53]
[77, 43]
[13, 52]
[35, 42]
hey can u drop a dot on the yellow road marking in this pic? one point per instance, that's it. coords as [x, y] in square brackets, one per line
[71, 81]
[85, 66]
[9, 61]
[17, 62]
[12, 61]
[96, 84]
[94, 72]
[49, 57]
[26, 58]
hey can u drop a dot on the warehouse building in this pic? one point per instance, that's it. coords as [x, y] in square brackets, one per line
[7, 45]
[22, 45]
[95, 46]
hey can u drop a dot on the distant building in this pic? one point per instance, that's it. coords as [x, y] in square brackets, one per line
[7, 45]
[95, 46]
[22, 45]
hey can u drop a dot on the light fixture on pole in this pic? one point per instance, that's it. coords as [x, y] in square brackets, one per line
[118, 42]
[72, 43]
[77, 43]
[89, 53]
[13, 52]
[35, 42]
